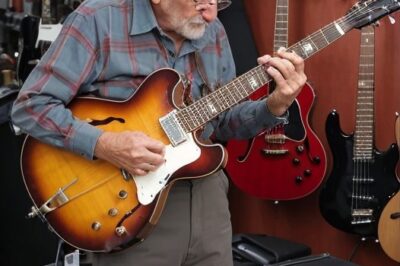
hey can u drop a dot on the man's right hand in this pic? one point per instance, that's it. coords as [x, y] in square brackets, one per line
[131, 150]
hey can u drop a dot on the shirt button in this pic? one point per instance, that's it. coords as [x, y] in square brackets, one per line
[172, 54]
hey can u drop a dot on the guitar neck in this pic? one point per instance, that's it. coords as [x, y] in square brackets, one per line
[281, 24]
[200, 112]
[364, 133]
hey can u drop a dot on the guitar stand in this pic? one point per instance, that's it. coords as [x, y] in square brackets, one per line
[68, 256]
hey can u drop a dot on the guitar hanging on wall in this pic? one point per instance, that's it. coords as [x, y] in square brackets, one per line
[36, 35]
[112, 209]
[288, 161]
[389, 221]
[362, 178]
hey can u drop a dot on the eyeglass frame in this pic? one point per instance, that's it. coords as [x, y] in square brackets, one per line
[221, 4]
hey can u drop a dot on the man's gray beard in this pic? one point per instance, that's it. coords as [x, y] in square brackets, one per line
[192, 28]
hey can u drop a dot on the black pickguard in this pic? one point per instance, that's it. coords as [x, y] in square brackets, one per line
[295, 129]
[335, 197]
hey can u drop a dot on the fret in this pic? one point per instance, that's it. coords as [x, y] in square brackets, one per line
[362, 115]
[231, 99]
[227, 100]
[240, 93]
[319, 41]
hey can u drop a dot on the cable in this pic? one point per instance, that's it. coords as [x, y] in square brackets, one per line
[60, 243]
[355, 249]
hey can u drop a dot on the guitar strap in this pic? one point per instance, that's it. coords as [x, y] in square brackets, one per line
[205, 88]
[397, 131]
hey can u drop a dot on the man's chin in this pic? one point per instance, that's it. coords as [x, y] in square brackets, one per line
[196, 32]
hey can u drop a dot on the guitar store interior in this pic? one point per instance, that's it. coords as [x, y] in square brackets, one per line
[333, 75]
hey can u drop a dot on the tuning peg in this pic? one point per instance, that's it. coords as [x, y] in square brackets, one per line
[392, 20]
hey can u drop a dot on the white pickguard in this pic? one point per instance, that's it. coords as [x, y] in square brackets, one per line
[48, 32]
[150, 185]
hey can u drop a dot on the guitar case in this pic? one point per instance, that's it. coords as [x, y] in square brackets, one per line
[259, 250]
[253, 249]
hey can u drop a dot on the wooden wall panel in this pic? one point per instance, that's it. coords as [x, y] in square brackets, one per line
[333, 74]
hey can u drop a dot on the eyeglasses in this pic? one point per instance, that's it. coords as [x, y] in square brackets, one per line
[221, 4]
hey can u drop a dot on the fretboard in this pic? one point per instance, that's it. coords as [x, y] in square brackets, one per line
[281, 24]
[200, 112]
[364, 133]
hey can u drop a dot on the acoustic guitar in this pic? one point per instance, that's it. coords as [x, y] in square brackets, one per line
[389, 221]
[288, 161]
[362, 178]
[95, 206]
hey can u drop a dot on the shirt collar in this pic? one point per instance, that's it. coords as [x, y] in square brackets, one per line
[144, 20]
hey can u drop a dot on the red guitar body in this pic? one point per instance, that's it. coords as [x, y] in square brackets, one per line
[284, 163]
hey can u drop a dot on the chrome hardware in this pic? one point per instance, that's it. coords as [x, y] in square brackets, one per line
[172, 128]
[113, 212]
[120, 230]
[126, 175]
[57, 200]
[122, 194]
[96, 226]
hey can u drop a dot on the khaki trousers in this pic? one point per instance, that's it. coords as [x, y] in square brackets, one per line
[194, 229]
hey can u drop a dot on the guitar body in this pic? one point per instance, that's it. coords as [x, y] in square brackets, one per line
[289, 169]
[28, 53]
[389, 228]
[97, 207]
[336, 195]
[389, 221]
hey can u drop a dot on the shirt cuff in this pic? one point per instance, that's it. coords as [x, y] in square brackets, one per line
[265, 117]
[85, 139]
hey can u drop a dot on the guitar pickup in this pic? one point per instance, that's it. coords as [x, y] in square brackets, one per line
[362, 212]
[275, 138]
[275, 152]
[33, 62]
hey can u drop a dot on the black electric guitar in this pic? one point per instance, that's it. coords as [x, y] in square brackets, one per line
[36, 35]
[362, 178]
[112, 209]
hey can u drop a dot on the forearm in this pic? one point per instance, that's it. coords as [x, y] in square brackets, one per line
[246, 120]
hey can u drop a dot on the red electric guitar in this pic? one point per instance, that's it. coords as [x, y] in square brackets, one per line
[287, 162]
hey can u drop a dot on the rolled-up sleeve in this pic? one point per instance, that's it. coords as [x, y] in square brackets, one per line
[41, 106]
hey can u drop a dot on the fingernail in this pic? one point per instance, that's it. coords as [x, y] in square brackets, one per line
[281, 49]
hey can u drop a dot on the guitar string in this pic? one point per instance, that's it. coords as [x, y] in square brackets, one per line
[89, 189]
[331, 31]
